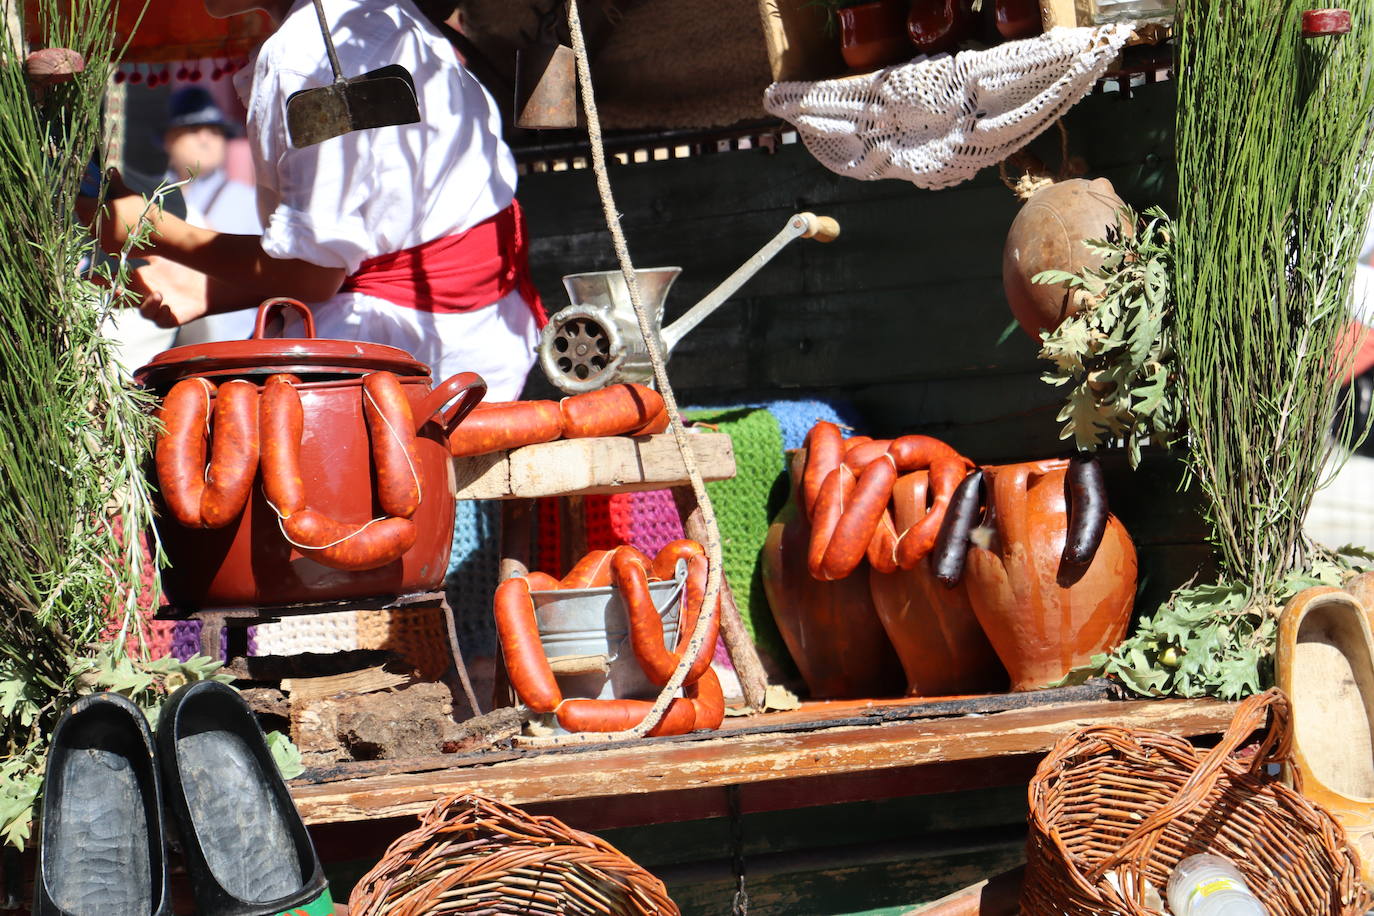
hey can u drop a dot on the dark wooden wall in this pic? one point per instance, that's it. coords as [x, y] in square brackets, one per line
[903, 316]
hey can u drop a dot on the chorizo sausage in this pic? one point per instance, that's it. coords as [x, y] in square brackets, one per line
[1088, 512]
[919, 540]
[824, 452]
[281, 423]
[882, 549]
[854, 530]
[541, 581]
[526, 663]
[693, 604]
[233, 454]
[657, 424]
[854, 442]
[620, 715]
[592, 571]
[951, 544]
[631, 577]
[611, 411]
[665, 563]
[861, 456]
[830, 503]
[180, 450]
[340, 545]
[916, 453]
[708, 699]
[391, 428]
[497, 427]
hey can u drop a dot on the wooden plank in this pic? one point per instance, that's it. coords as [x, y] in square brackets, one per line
[368, 680]
[649, 767]
[576, 467]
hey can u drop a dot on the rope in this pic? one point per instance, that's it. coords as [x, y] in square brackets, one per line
[711, 602]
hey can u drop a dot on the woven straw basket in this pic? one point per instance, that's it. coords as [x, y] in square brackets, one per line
[1133, 803]
[472, 855]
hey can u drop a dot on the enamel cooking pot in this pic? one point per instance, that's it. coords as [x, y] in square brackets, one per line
[250, 563]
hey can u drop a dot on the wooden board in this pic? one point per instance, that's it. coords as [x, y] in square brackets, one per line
[654, 766]
[577, 467]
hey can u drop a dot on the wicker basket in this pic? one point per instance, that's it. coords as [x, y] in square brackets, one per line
[476, 856]
[1131, 804]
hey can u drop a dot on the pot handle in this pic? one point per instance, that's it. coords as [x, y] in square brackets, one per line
[271, 306]
[469, 386]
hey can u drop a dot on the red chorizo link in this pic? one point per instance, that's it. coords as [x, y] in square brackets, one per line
[708, 699]
[693, 602]
[861, 456]
[542, 582]
[526, 663]
[631, 576]
[830, 504]
[855, 528]
[501, 426]
[619, 715]
[391, 428]
[882, 549]
[233, 454]
[665, 563]
[919, 539]
[340, 545]
[611, 411]
[916, 453]
[180, 451]
[657, 424]
[592, 571]
[824, 452]
[854, 442]
[280, 423]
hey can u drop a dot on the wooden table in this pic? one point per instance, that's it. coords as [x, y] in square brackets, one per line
[824, 753]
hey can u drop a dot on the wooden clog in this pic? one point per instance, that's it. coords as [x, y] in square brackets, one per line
[1325, 663]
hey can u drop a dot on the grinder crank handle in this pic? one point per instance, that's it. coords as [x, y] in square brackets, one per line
[803, 225]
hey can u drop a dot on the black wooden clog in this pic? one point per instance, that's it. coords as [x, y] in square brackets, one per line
[101, 828]
[244, 844]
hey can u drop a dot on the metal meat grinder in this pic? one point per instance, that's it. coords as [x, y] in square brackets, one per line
[596, 341]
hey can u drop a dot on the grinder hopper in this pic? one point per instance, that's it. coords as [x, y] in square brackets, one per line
[596, 341]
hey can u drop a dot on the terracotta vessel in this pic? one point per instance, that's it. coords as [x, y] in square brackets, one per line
[936, 26]
[1017, 18]
[1042, 617]
[249, 563]
[830, 628]
[873, 35]
[941, 645]
[1048, 234]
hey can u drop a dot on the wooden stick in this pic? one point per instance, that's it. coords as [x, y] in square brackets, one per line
[743, 655]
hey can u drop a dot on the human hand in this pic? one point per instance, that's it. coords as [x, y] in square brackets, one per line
[125, 211]
[169, 294]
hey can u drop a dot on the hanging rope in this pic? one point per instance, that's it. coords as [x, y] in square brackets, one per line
[711, 602]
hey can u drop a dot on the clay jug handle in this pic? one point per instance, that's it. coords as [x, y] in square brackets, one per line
[1008, 499]
[271, 307]
[468, 387]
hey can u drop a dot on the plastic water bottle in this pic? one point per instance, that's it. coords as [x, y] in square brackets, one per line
[1208, 885]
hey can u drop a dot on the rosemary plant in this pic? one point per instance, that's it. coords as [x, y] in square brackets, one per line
[1274, 158]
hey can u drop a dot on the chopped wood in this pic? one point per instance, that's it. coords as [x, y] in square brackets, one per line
[368, 680]
[568, 665]
[267, 701]
[574, 467]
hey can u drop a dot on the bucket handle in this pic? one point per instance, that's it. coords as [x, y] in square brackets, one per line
[468, 386]
[271, 306]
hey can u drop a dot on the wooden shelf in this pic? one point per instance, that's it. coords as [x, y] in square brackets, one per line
[802, 763]
[581, 467]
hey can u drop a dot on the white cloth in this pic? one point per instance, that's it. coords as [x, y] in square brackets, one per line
[937, 121]
[378, 191]
[384, 190]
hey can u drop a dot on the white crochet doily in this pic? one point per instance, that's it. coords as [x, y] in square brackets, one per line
[937, 121]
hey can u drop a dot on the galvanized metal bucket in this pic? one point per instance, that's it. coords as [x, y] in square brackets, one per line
[586, 637]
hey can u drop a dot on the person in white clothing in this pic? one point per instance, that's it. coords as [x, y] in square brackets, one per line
[406, 235]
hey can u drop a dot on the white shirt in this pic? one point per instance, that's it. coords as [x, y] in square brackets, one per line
[376, 191]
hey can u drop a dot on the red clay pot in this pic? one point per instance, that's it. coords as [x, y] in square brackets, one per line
[936, 26]
[830, 628]
[1017, 18]
[873, 35]
[1042, 619]
[249, 563]
[941, 645]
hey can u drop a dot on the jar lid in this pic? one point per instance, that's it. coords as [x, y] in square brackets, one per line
[263, 355]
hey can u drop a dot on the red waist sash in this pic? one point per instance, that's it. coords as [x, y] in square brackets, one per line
[457, 273]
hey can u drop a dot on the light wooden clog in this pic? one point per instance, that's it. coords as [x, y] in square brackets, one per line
[1325, 663]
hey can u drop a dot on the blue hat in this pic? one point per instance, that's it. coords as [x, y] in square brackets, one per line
[195, 107]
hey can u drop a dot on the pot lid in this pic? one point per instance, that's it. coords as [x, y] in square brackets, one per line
[263, 355]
